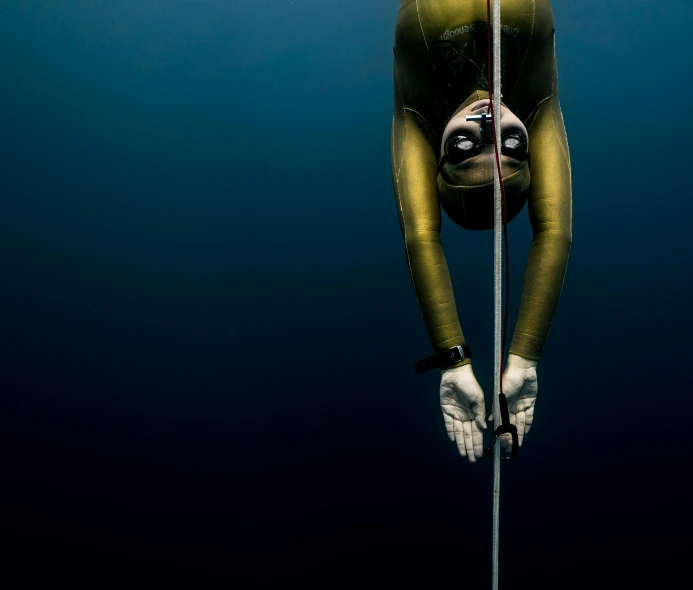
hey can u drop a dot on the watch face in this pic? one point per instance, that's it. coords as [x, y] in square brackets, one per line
[455, 354]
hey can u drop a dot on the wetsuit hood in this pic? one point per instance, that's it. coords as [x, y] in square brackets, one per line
[470, 203]
[472, 207]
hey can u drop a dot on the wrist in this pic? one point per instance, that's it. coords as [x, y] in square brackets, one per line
[521, 362]
[454, 356]
[463, 368]
[464, 363]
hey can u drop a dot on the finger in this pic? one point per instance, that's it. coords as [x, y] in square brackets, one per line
[479, 416]
[520, 423]
[507, 439]
[529, 418]
[459, 438]
[468, 441]
[477, 440]
[449, 426]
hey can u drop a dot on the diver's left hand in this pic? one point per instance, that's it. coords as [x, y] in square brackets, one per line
[520, 389]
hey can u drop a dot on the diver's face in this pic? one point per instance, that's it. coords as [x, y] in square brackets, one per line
[468, 159]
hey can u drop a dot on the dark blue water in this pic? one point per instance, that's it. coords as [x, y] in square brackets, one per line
[207, 324]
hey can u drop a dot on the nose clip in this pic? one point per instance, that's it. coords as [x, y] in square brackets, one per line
[484, 125]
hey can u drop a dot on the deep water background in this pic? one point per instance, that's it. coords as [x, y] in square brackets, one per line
[207, 325]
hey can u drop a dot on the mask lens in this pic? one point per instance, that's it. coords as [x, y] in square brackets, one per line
[460, 148]
[515, 146]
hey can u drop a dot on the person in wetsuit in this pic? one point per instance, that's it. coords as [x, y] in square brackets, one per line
[440, 159]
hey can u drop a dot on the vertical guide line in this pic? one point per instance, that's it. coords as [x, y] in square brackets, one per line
[497, 284]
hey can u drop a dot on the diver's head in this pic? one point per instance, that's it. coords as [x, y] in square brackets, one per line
[467, 160]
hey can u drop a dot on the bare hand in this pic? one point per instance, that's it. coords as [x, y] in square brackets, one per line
[520, 389]
[462, 402]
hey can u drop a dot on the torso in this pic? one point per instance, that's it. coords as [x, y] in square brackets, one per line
[445, 55]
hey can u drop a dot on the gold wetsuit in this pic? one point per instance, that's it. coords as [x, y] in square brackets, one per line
[440, 62]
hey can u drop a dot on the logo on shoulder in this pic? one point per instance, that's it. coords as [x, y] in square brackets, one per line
[473, 27]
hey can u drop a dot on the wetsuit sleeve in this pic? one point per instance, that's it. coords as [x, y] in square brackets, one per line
[414, 178]
[550, 212]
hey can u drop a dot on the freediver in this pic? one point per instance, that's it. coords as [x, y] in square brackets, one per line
[443, 156]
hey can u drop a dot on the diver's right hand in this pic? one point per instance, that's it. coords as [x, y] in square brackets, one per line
[462, 402]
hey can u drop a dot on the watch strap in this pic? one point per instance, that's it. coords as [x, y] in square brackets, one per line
[444, 359]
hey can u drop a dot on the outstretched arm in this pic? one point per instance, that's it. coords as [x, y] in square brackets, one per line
[414, 180]
[550, 212]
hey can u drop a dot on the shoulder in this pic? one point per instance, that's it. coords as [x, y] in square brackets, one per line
[543, 20]
[408, 35]
[413, 72]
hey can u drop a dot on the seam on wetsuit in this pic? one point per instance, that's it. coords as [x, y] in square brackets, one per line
[398, 196]
[560, 112]
[399, 109]
[558, 135]
[529, 121]
[423, 35]
[423, 121]
[531, 37]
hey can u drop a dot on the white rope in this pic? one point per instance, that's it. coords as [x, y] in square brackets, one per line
[498, 281]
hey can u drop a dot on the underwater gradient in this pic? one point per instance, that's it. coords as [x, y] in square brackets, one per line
[207, 327]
